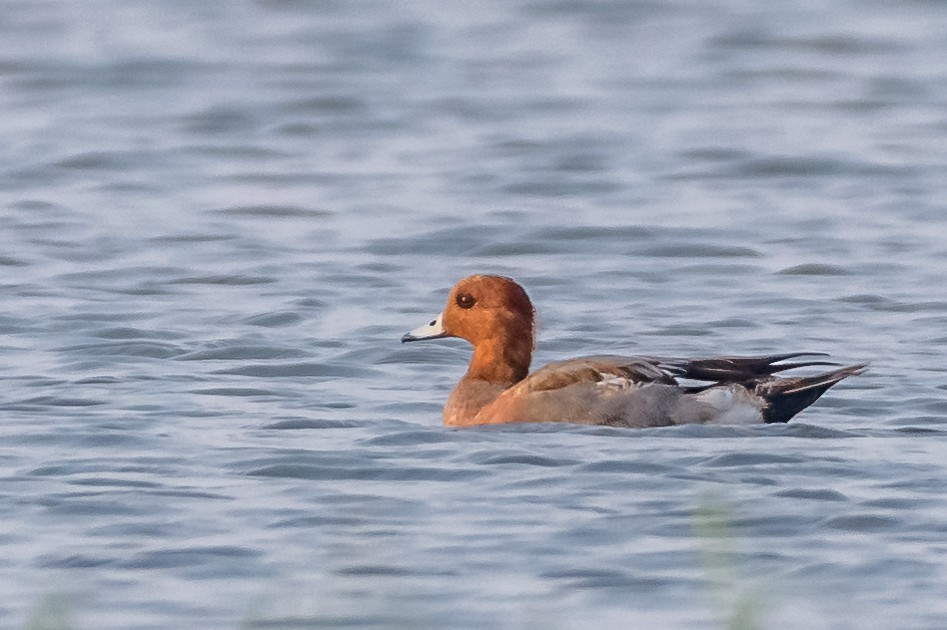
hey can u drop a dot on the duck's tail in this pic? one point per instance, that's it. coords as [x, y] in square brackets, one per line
[785, 397]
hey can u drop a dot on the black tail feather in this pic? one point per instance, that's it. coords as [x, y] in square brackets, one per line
[785, 397]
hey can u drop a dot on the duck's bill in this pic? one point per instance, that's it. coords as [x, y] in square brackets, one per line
[432, 330]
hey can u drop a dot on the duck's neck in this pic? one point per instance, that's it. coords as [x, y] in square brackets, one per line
[501, 360]
[497, 364]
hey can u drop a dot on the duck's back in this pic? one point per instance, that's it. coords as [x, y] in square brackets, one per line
[643, 392]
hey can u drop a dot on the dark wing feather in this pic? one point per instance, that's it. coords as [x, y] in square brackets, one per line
[737, 369]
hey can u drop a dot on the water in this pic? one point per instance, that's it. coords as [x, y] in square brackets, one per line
[219, 218]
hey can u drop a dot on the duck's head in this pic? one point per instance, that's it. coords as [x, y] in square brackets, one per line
[482, 309]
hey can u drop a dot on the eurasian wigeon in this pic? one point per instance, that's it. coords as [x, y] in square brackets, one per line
[496, 316]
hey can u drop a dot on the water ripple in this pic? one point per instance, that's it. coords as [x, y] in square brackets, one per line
[144, 349]
[288, 370]
[314, 472]
[273, 212]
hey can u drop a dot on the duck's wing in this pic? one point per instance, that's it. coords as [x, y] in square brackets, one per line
[606, 370]
[589, 390]
[730, 369]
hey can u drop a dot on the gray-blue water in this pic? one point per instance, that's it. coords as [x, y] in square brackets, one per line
[218, 218]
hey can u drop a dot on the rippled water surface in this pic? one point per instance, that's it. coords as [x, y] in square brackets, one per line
[219, 218]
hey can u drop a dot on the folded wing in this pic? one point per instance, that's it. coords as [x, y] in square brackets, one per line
[645, 391]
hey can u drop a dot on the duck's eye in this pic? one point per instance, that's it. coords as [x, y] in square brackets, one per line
[465, 300]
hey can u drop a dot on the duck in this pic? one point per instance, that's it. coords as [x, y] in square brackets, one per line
[494, 313]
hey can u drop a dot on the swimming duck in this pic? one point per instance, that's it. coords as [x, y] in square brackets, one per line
[495, 314]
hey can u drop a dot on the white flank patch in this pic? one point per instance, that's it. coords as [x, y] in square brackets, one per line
[735, 404]
[614, 382]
